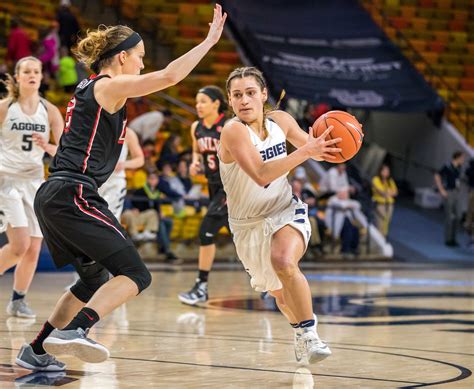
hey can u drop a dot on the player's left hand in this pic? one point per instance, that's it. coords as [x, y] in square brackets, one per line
[40, 141]
[217, 25]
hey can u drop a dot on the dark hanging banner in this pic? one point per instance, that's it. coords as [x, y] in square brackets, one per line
[328, 51]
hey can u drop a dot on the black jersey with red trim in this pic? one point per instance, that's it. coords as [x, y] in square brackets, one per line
[93, 138]
[208, 140]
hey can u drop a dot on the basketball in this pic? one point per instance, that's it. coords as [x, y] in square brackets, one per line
[346, 127]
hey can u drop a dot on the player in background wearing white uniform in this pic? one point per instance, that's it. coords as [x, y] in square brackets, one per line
[23, 113]
[270, 226]
[115, 188]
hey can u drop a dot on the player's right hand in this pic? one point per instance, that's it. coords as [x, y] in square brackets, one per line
[217, 25]
[195, 168]
[320, 148]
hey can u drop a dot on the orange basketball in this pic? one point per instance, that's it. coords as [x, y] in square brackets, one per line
[346, 127]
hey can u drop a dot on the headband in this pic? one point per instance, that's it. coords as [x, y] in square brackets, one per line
[126, 44]
[211, 93]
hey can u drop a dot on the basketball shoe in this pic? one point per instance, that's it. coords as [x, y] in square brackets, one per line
[198, 294]
[20, 308]
[309, 348]
[45, 362]
[76, 343]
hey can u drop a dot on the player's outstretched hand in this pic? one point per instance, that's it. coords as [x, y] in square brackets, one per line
[217, 25]
[320, 148]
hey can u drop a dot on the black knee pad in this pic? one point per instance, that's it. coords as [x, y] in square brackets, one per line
[210, 226]
[127, 262]
[92, 277]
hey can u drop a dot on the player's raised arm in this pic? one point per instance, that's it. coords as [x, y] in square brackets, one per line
[128, 85]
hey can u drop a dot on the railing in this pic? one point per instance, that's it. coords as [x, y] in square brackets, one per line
[433, 77]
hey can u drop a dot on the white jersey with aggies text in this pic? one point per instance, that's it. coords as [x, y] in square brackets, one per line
[245, 198]
[19, 155]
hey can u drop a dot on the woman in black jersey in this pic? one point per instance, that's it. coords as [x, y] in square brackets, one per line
[205, 133]
[76, 223]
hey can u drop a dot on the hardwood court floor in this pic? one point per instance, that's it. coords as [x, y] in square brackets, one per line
[387, 329]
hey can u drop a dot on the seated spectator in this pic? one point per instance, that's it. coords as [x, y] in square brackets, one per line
[19, 43]
[148, 124]
[67, 74]
[336, 180]
[317, 225]
[176, 185]
[343, 215]
[148, 198]
[384, 191]
[170, 153]
[308, 119]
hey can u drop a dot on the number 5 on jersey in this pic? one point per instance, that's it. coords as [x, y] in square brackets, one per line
[211, 161]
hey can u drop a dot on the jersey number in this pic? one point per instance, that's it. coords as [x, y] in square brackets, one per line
[211, 162]
[27, 143]
[123, 133]
[70, 107]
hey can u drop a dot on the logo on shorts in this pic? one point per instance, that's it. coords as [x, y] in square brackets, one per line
[209, 235]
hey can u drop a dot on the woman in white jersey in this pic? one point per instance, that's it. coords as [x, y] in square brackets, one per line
[115, 188]
[269, 224]
[23, 113]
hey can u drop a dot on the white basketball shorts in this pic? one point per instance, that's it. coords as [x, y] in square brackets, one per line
[253, 237]
[17, 196]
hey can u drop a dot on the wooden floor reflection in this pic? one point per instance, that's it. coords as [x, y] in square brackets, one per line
[386, 328]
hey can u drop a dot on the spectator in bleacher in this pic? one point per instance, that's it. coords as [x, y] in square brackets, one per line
[183, 175]
[384, 191]
[68, 25]
[49, 50]
[148, 199]
[470, 208]
[67, 74]
[317, 225]
[343, 214]
[447, 180]
[19, 43]
[148, 124]
[170, 153]
[308, 119]
[169, 178]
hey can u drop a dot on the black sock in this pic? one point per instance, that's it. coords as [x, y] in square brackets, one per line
[37, 344]
[85, 319]
[203, 274]
[306, 323]
[294, 325]
[17, 295]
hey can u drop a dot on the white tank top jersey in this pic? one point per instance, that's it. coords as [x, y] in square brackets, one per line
[245, 198]
[122, 158]
[19, 155]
